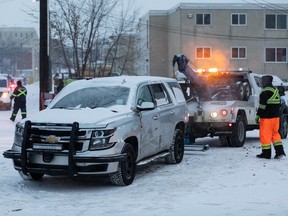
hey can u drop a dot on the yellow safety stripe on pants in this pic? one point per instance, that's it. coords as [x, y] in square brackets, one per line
[266, 146]
[278, 143]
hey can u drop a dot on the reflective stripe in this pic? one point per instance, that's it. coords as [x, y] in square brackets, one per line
[274, 99]
[261, 106]
[266, 146]
[278, 143]
[21, 92]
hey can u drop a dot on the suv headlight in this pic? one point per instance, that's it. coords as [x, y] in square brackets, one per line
[100, 139]
[5, 94]
[18, 136]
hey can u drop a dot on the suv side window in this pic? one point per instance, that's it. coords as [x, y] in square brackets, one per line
[160, 95]
[144, 95]
[178, 92]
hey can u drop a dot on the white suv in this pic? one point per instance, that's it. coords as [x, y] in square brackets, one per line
[103, 126]
[5, 93]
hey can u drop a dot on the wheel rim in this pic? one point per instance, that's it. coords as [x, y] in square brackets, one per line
[129, 166]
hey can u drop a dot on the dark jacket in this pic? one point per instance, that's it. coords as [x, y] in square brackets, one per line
[19, 94]
[269, 99]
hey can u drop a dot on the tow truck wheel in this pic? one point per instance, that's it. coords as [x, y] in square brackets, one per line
[239, 90]
[126, 169]
[283, 126]
[238, 133]
[247, 91]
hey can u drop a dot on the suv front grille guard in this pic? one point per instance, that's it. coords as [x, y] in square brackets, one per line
[27, 145]
[41, 138]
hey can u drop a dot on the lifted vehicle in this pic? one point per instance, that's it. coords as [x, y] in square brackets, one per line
[103, 126]
[221, 102]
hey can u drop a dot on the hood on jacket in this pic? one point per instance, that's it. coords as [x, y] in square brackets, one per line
[266, 80]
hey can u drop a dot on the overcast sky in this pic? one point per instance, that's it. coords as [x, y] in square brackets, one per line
[13, 13]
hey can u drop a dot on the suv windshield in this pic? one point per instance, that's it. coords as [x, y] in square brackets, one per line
[94, 97]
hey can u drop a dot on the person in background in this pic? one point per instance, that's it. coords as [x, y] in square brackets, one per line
[19, 96]
[60, 85]
[268, 114]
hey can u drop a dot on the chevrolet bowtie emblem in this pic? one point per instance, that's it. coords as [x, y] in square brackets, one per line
[52, 139]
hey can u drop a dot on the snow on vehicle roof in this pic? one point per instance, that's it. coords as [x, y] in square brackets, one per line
[128, 81]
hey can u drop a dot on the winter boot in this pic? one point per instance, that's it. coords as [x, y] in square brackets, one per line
[12, 119]
[266, 153]
[279, 152]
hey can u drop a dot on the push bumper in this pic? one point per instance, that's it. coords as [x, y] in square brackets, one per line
[76, 164]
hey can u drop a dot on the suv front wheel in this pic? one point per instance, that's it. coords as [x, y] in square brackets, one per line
[126, 169]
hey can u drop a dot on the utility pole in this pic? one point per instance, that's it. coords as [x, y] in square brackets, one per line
[44, 66]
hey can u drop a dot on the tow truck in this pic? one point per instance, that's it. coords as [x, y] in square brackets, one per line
[221, 102]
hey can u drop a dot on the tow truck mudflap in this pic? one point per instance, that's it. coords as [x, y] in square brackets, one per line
[71, 169]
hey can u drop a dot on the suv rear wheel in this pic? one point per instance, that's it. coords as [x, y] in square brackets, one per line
[176, 149]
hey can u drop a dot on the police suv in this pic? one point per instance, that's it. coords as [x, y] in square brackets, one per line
[103, 126]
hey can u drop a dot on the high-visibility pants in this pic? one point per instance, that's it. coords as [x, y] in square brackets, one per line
[16, 108]
[269, 132]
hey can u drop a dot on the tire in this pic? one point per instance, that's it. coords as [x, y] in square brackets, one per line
[283, 126]
[126, 169]
[239, 91]
[177, 148]
[31, 176]
[225, 141]
[247, 91]
[36, 176]
[238, 136]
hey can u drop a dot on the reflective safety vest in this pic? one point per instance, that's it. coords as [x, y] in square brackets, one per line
[270, 102]
[21, 91]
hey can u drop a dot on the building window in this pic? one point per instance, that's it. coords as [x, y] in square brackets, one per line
[238, 19]
[203, 19]
[203, 52]
[238, 53]
[276, 21]
[276, 55]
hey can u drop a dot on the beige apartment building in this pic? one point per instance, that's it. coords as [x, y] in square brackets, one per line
[222, 35]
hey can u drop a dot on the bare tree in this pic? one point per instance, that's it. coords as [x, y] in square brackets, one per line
[75, 25]
[96, 36]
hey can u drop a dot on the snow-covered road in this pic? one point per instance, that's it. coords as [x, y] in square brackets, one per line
[221, 181]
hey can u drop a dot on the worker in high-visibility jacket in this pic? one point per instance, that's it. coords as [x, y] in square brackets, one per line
[19, 95]
[268, 114]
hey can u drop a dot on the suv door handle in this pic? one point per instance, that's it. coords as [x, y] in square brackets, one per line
[155, 117]
[172, 112]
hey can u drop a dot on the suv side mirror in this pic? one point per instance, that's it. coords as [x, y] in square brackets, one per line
[146, 106]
